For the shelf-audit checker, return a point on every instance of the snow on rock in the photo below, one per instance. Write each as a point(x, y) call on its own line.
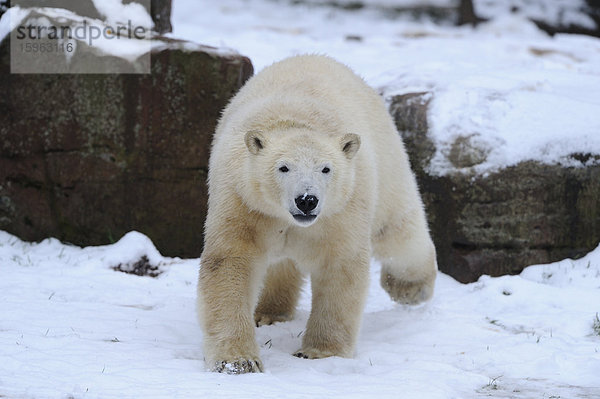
point(131, 247)
point(73, 327)
point(86, 37)
point(555, 12)
point(115, 12)
point(10, 20)
point(519, 93)
point(536, 100)
point(134, 253)
point(386, 3)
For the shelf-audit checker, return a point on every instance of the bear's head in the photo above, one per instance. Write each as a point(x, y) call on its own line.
point(300, 175)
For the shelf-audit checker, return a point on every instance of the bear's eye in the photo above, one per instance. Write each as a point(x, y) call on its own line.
point(326, 170)
point(284, 169)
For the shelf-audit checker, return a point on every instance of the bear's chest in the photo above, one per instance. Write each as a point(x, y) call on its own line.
point(297, 244)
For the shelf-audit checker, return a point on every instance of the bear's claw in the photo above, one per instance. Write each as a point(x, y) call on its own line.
point(238, 367)
point(313, 353)
point(263, 319)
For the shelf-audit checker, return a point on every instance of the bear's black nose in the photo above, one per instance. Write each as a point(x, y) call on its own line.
point(306, 203)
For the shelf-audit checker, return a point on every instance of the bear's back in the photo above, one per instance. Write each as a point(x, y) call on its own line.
point(311, 82)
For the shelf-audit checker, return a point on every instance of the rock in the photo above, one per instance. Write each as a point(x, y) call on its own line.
point(443, 12)
point(501, 222)
point(576, 17)
point(159, 10)
point(141, 267)
point(410, 114)
point(60, 41)
point(466, 13)
point(466, 152)
point(85, 8)
point(161, 15)
point(4, 4)
point(571, 17)
point(88, 157)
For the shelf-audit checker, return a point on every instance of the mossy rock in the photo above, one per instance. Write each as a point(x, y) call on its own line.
point(86, 158)
point(499, 223)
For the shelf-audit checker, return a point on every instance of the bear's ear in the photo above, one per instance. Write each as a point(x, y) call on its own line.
point(254, 141)
point(350, 144)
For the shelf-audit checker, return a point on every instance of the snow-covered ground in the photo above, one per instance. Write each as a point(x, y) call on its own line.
point(514, 91)
point(72, 327)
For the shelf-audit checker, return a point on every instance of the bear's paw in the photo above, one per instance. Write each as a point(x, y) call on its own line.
point(407, 292)
point(266, 319)
point(313, 353)
point(240, 366)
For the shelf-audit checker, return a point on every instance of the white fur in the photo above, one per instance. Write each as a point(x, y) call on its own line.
point(306, 113)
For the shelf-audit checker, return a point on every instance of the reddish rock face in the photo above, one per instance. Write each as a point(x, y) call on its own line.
point(87, 158)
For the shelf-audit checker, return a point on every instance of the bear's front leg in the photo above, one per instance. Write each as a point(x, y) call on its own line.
point(225, 306)
point(339, 291)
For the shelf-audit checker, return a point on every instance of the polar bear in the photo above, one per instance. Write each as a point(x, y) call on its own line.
point(307, 176)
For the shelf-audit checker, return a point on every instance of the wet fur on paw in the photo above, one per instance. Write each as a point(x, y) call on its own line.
point(407, 292)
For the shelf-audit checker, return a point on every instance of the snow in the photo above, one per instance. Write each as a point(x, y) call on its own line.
point(512, 91)
point(555, 12)
point(116, 13)
point(517, 92)
point(71, 326)
point(10, 19)
point(128, 47)
point(384, 4)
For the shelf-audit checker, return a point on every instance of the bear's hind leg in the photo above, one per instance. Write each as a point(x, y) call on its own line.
point(279, 295)
point(408, 262)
